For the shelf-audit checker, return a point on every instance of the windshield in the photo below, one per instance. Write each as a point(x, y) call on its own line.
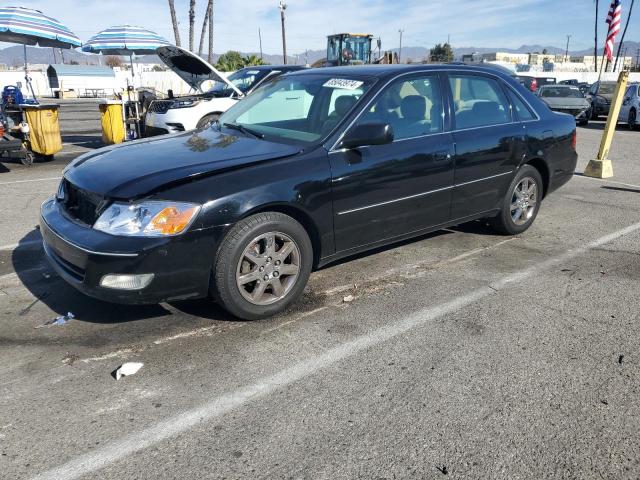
point(244, 80)
point(298, 109)
point(561, 92)
point(606, 88)
point(349, 49)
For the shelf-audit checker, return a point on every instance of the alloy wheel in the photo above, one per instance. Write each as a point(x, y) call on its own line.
point(268, 268)
point(524, 201)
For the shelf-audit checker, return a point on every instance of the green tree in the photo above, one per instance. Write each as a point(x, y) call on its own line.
point(441, 53)
point(251, 60)
point(230, 61)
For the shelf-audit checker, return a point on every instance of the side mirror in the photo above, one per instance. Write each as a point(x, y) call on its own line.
point(368, 134)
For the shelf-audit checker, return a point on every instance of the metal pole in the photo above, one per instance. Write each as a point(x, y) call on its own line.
point(283, 7)
point(624, 33)
point(401, 31)
point(26, 73)
point(601, 167)
point(566, 53)
point(260, 37)
point(595, 45)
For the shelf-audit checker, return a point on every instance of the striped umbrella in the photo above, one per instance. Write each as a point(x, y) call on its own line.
point(32, 27)
point(124, 40)
point(27, 26)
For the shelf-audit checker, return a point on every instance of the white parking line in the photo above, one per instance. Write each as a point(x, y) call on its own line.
point(30, 181)
point(606, 180)
point(217, 407)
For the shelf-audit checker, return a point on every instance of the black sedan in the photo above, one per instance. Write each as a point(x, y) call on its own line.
point(311, 168)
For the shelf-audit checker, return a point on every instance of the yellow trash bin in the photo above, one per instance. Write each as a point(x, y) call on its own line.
point(44, 129)
point(112, 124)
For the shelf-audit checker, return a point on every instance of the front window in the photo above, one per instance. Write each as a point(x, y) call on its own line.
point(413, 107)
point(299, 108)
point(244, 80)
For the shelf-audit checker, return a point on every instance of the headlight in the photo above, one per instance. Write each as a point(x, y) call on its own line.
point(147, 219)
point(184, 103)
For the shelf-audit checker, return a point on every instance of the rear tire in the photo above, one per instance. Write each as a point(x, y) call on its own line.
point(263, 265)
point(521, 204)
point(207, 121)
point(584, 123)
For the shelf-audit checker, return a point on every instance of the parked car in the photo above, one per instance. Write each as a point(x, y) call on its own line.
point(215, 92)
point(630, 106)
point(534, 83)
point(566, 99)
point(600, 96)
point(313, 167)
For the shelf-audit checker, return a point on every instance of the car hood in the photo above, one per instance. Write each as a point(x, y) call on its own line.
point(191, 68)
point(136, 169)
point(566, 102)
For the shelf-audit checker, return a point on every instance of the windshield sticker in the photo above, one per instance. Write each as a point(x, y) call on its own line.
point(343, 83)
point(253, 72)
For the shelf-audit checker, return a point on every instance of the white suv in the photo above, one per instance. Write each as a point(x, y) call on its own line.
point(215, 93)
point(630, 106)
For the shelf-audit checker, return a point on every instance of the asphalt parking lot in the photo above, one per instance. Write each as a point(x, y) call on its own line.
point(463, 354)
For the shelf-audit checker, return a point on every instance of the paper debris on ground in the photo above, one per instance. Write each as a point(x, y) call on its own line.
point(61, 320)
point(126, 369)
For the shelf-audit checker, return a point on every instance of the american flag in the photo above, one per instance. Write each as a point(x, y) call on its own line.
point(614, 19)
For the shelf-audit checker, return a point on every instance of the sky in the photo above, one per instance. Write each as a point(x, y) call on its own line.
point(477, 23)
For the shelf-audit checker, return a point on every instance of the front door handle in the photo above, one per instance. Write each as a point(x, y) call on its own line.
point(442, 157)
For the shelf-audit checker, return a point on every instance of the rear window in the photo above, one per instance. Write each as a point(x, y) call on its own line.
point(523, 112)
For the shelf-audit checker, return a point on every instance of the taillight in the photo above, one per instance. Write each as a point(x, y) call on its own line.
point(534, 85)
point(574, 139)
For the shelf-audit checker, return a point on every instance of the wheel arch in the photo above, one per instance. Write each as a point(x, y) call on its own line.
point(299, 215)
point(543, 169)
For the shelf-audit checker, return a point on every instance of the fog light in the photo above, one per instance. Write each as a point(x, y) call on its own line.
point(127, 282)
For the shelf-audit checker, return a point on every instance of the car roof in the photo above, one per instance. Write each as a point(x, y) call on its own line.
point(275, 67)
point(384, 71)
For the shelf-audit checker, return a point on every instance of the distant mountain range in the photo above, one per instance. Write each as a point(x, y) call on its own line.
point(14, 56)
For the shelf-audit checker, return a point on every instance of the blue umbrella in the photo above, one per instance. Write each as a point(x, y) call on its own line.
point(125, 40)
point(32, 27)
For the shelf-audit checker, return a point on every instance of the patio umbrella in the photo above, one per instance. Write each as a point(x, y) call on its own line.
point(27, 26)
point(125, 40)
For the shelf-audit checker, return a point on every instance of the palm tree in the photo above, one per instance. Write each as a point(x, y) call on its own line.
point(174, 20)
point(210, 57)
point(624, 32)
point(595, 48)
point(251, 60)
point(192, 22)
point(204, 26)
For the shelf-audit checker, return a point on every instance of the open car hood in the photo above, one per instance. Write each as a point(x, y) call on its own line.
point(191, 68)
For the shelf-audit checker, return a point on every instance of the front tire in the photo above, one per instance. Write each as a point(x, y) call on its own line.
point(632, 121)
point(207, 121)
point(263, 265)
point(520, 205)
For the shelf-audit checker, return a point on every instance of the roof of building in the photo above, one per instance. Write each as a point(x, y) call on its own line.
point(80, 71)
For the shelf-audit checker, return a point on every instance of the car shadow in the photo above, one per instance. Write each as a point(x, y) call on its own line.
point(47, 287)
point(388, 247)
